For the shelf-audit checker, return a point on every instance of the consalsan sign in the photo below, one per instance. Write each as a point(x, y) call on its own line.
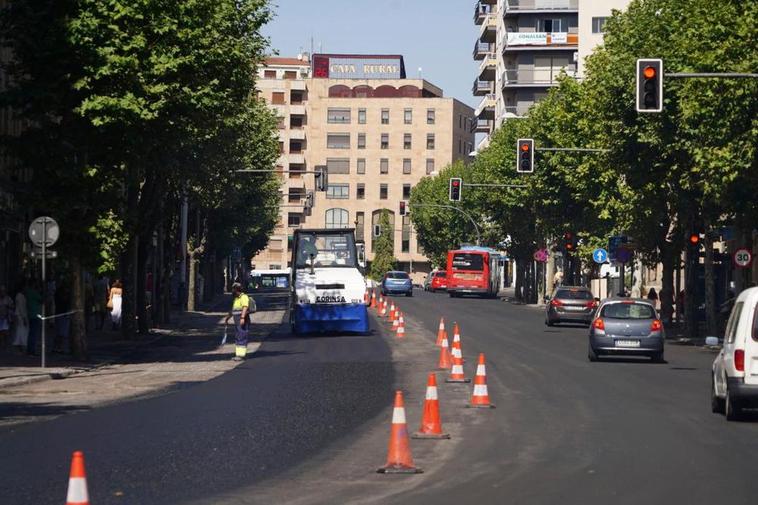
point(358, 67)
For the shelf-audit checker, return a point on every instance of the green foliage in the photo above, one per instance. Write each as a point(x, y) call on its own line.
point(384, 257)
point(109, 233)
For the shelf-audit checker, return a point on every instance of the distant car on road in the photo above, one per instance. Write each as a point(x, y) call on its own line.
point(734, 383)
point(438, 281)
point(570, 304)
point(625, 326)
point(396, 282)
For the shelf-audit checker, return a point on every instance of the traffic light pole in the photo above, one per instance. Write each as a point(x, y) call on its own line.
point(478, 235)
point(572, 149)
point(711, 75)
point(476, 185)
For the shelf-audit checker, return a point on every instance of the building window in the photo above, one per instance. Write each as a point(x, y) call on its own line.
point(338, 165)
point(296, 97)
point(275, 244)
point(361, 166)
point(271, 74)
point(429, 166)
point(361, 116)
point(406, 191)
point(376, 216)
point(460, 120)
point(383, 192)
point(384, 166)
point(406, 166)
point(430, 140)
point(598, 24)
point(361, 141)
point(460, 146)
point(290, 74)
point(408, 116)
point(336, 218)
point(385, 140)
point(296, 146)
point(280, 123)
point(429, 116)
point(360, 221)
point(338, 116)
point(385, 116)
point(296, 122)
point(293, 220)
point(361, 191)
point(338, 140)
point(277, 98)
point(549, 25)
point(407, 138)
point(338, 191)
point(405, 244)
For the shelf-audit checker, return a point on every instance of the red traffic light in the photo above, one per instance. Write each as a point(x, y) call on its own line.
point(649, 72)
point(456, 183)
point(694, 239)
point(525, 147)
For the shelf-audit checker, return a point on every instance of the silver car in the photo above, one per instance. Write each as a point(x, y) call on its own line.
point(570, 304)
point(624, 326)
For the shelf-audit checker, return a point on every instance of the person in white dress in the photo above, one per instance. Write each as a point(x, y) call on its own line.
point(21, 320)
point(114, 303)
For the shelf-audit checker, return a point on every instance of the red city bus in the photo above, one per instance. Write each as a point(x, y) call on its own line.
point(473, 270)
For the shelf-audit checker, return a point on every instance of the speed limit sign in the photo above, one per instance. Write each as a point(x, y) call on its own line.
point(742, 258)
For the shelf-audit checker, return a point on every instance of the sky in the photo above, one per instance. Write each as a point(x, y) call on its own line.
point(436, 35)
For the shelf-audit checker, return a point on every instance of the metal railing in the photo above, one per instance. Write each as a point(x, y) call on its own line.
point(515, 5)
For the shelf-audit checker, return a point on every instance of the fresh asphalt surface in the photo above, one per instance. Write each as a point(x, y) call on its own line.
point(291, 398)
point(565, 431)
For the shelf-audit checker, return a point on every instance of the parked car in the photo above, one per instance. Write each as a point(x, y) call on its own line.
point(570, 304)
point(626, 326)
point(734, 374)
point(397, 283)
point(439, 281)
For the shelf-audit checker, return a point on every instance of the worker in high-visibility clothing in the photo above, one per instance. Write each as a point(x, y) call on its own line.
point(242, 309)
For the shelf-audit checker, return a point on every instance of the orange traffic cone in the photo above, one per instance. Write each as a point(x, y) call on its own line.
point(455, 346)
point(396, 321)
point(481, 397)
point(441, 331)
point(445, 359)
point(400, 332)
point(431, 426)
point(383, 308)
point(393, 314)
point(399, 459)
point(373, 299)
point(77, 481)
point(456, 372)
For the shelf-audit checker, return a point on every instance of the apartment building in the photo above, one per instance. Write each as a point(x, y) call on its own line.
point(282, 82)
point(522, 47)
point(377, 132)
point(592, 17)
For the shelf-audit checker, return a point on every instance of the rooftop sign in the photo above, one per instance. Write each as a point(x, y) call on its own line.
point(337, 66)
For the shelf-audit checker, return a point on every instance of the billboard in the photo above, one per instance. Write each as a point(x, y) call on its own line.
point(336, 66)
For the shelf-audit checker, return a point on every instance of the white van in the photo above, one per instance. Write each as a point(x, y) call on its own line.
point(735, 369)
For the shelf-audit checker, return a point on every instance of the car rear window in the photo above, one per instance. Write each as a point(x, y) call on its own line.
point(628, 311)
point(397, 275)
point(440, 274)
point(573, 294)
point(466, 261)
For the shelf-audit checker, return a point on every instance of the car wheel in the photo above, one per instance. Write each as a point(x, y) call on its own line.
point(591, 354)
point(657, 357)
point(549, 323)
point(409, 293)
point(717, 404)
point(732, 408)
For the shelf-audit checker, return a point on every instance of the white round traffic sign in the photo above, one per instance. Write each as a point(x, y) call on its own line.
point(44, 229)
point(742, 258)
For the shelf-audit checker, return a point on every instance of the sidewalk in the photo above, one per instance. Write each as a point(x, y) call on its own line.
point(185, 353)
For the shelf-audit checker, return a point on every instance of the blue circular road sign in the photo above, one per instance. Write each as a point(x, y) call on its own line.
point(600, 255)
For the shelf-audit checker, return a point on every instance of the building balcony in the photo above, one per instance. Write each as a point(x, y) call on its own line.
point(486, 108)
point(482, 88)
point(532, 78)
point(516, 111)
point(481, 11)
point(488, 30)
point(487, 68)
point(482, 125)
point(541, 41)
point(516, 7)
point(482, 49)
point(297, 134)
point(297, 110)
point(296, 158)
point(297, 85)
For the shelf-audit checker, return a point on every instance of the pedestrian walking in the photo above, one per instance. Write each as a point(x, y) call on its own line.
point(242, 309)
point(62, 322)
point(33, 311)
point(6, 316)
point(558, 279)
point(21, 319)
point(652, 295)
point(114, 303)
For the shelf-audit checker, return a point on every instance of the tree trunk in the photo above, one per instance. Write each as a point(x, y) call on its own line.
point(690, 288)
point(711, 316)
point(141, 307)
point(669, 258)
point(78, 318)
point(192, 282)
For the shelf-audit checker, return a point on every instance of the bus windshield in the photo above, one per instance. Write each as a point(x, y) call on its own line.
point(327, 250)
point(468, 261)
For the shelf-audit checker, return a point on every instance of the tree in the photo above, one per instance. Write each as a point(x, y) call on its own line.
point(384, 255)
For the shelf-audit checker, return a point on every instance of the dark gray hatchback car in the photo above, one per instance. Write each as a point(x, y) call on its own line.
point(625, 326)
point(570, 304)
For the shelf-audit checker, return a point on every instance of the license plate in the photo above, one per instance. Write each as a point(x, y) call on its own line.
point(569, 308)
point(627, 343)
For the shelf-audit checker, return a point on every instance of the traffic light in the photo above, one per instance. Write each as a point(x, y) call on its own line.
point(569, 242)
point(649, 85)
point(322, 178)
point(525, 156)
point(694, 239)
point(456, 183)
point(402, 208)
